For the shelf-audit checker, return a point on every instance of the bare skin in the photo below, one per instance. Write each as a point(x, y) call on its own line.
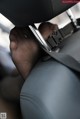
point(25, 52)
point(47, 28)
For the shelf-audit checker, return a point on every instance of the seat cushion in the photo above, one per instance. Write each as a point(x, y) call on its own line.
point(52, 91)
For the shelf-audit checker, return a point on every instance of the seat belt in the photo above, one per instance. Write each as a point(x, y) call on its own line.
point(62, 58)
point(66, 60)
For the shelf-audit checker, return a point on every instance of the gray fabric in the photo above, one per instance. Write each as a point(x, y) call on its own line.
point(67, 58)
point(52, 91)
point(72, 46)
point(24, 12)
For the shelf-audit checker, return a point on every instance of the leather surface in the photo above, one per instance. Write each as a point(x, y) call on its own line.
point(52, 91)
point(24, 12)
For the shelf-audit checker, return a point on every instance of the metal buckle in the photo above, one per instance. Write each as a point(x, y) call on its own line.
point(55, 39)
point(52, 42)
point(39, 37)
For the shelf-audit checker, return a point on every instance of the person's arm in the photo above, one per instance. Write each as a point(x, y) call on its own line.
point(10, 88)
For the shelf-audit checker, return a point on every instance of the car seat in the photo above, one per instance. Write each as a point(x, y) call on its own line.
point(52, 90)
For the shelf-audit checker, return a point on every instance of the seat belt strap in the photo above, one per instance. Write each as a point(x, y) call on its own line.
point(54, 40)
point(62, 58)
point(66, 60)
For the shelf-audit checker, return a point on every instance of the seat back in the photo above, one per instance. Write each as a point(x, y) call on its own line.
point(24, 12)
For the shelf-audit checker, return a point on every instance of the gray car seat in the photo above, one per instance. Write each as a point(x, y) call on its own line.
point(52, 91)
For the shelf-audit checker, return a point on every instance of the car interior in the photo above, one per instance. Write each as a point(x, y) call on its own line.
point(52, 90)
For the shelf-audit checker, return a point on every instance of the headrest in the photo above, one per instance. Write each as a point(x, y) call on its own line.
point(24, 12)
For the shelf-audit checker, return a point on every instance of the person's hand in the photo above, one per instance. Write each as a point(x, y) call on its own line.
point(47, 28)
point(24, 49)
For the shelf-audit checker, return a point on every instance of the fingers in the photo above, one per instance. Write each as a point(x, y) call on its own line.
point(47, 29)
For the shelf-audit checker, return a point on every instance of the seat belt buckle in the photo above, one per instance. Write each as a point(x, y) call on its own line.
point(55, 39)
